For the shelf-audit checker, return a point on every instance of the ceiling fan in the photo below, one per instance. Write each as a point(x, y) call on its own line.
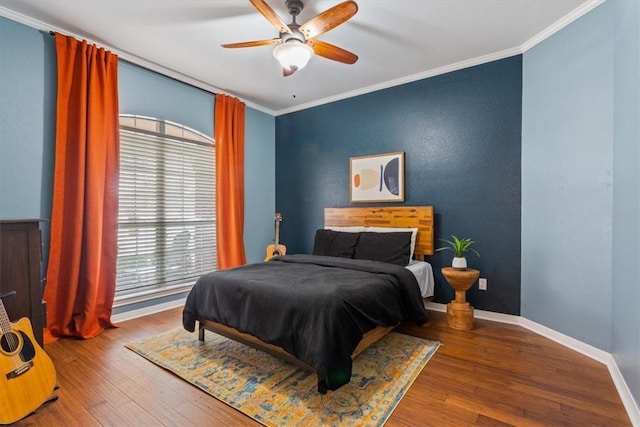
point(296, 43)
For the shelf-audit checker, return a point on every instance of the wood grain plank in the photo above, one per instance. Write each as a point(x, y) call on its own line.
point(494, 375)
point(420, 217)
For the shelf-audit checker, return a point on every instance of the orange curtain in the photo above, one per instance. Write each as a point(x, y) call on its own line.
point(84, 229)
point(229, 138)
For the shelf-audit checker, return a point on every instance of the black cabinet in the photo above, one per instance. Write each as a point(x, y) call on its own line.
point(20, 256)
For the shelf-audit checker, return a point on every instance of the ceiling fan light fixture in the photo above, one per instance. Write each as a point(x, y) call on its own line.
point(293, 55)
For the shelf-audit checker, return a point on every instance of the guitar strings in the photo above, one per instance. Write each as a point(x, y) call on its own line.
point(9, 337)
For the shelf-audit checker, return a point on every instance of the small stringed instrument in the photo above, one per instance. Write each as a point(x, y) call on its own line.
point(27, 374)
point(276, 249)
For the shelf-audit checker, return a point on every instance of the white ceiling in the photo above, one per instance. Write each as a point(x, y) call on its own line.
point(396, 41)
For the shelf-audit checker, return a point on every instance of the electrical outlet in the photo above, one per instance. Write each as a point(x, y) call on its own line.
point(482, 284)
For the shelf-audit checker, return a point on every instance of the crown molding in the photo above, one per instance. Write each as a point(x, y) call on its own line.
point(558, 25)
point(406, 79)
point(129, 57)
point(543, 35)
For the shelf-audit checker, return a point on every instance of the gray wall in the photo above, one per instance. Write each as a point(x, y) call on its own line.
point(27, 123)
point(260, 184)
point(567, 141)
point(27, 91)
point(625, 338)
point(580, 186)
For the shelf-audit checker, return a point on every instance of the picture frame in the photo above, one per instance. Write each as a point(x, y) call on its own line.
point(377, 178)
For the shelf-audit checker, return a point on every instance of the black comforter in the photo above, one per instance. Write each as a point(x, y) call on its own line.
point(317, 308)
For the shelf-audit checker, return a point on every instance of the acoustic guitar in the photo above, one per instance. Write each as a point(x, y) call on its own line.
point(27, 375)
point(276, 249)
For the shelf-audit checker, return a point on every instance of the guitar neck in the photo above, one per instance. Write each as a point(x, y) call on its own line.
point(277, 236)
point(5, 323)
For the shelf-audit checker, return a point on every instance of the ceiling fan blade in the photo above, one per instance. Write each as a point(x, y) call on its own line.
point(335, 53)
point(329, 19)
point(252, 43)
point(271, 16)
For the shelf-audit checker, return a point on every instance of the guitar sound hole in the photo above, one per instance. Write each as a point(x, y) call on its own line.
point(10, 342)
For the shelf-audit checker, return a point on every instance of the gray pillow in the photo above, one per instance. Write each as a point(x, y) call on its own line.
point(393, 248)
point(335, 243)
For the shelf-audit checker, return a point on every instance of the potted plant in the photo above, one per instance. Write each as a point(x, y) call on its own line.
point(460, 247)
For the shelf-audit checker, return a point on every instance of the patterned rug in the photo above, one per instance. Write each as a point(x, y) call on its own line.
point(277, 393)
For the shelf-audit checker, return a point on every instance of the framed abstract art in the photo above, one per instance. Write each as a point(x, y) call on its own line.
point(377, 178)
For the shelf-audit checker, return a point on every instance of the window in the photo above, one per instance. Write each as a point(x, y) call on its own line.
point(166, 221)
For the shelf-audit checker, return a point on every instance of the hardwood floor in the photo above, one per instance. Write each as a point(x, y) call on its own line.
point(496, 374)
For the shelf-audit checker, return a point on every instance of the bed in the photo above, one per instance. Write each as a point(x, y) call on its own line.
point(319, 311)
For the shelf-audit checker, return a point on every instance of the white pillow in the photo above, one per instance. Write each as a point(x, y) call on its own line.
point(414, 234)
point(355, 229)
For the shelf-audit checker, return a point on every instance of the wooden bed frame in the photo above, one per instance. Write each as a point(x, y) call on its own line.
point(420, 217)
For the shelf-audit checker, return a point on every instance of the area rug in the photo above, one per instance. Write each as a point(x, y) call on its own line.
point(277, 393)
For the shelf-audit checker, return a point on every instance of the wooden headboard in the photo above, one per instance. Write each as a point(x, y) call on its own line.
point(420, 217)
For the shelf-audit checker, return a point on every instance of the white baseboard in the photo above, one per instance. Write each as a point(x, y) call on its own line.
point(572, 343)
point(594, 353)
point(625, 394)
point(145, 311)
point(479, 314)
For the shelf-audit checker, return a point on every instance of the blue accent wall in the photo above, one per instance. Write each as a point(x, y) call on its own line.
point(461, 136)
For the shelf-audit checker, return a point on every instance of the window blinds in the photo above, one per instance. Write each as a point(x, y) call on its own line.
point(166, 220)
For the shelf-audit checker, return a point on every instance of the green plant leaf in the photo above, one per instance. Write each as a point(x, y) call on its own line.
point(459, 246)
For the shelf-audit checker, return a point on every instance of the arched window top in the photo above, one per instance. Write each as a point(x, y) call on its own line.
point(166, 215)
point(164, 128)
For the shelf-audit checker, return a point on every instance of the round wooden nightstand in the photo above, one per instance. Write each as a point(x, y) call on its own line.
point(459, 311)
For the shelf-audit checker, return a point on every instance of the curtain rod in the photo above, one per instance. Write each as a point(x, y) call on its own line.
point(132, 59)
